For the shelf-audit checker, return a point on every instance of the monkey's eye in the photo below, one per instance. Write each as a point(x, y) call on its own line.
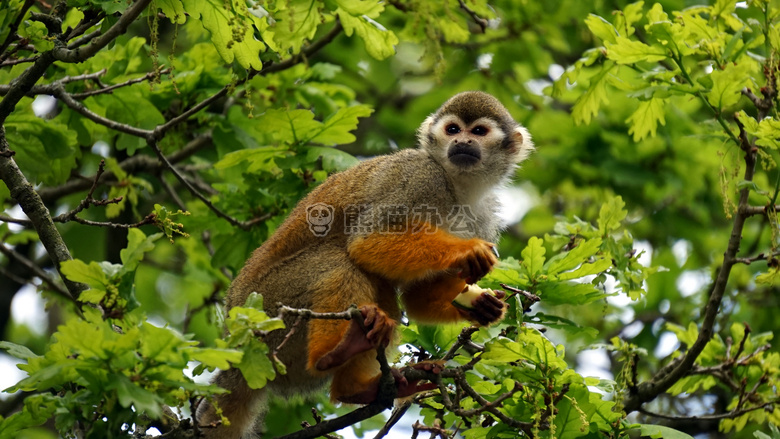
point(452, 129)
point(479, 131)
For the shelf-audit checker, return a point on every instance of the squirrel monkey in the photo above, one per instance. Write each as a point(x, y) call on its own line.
point(418, 224)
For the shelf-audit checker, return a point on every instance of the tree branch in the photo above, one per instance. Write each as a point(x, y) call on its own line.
point(32, 205)
point(671, 373)
point(77, 55)
point(769, 406)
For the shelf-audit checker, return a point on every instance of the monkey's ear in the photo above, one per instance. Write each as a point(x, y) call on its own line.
point(424, 132)
point(523, 143)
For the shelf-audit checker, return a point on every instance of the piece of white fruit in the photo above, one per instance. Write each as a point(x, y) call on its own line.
point(466, 297)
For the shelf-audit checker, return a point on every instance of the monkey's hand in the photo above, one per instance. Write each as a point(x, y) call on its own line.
point(376, 329)
point(486, 308)
point(477, 262)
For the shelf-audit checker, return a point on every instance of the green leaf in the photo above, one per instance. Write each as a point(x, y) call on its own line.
point(162, 344)
point(333, 160)
point(558, 322)
point(231, 30)
point(38, 35)
point(562, 293)
point(659, 431)
point(602, 28)
point(611, 215)
point(256, 366)
point(752, 186)
point(130, 394)
point(45, 149)
point(688, 336)
point(296, 22)
point(258, 159)
point(644, 121)
point(453, 31)
point(599, 266)
point(132, 107)
point(631, 14)
point(217, 358)
point(626, 51)
point(92, 274)
point(336, 129)
point(137, 245)
point(17, 351)
point(533, 256)
point(772, 277)
point(380, 42)
point(728, 83)
point(173, 9)
point(574, 257)
point(587, 105)
point(533, 347)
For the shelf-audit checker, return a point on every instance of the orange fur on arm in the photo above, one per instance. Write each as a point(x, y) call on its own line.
point(430, 300)
point(409, 256)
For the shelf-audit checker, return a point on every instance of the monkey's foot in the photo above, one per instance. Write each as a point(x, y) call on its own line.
point(478, 262)
point(409, 388)
point(379, 329)
point(486, 308)
point(405, 387)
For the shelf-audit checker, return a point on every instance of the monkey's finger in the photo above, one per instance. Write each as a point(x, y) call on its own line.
point(500, 294)
point(477, 269)
point(369, 315)
point(481, 319)
point(493, 300)
point(486, 266)
point(489, 314)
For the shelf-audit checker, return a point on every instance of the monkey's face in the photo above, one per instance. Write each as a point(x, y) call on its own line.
point(472, 134)
point(475, 147)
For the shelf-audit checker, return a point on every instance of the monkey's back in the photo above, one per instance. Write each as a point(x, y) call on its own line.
point(400, 179)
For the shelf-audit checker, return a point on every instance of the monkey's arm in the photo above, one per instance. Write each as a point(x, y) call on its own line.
point(413, 255)
point(430, 301)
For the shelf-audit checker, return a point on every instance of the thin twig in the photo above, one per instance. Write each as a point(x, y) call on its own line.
point(82, 27)
point(38, 271)
point(81, 54)
point(111, 88)
point(463, 338)
point(148, 219)
point(483, 23)
point(769, 406)
point(396, 416)
point(245, 225)
point(759, 210)
point(435, 431)
point(525, 426)
point(13, 62)
point(13, 28)
point(67, 99)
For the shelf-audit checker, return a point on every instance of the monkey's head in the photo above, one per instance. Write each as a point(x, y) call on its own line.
point(473, 134)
